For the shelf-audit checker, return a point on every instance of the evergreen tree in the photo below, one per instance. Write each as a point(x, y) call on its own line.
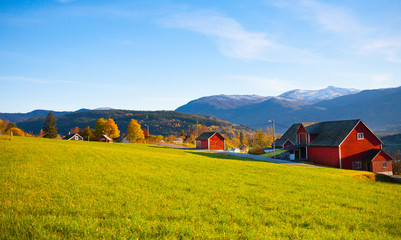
point(50, 127)
point(134, 132)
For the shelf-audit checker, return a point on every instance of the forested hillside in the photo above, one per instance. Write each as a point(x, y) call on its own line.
point(160, 122)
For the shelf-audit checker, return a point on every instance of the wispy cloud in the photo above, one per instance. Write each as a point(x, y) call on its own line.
point(360, 37)
point(329, 17)
point(233, 40)
point(389, 47)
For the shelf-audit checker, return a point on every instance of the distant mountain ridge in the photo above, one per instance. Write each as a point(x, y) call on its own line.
point(379, 108)
point(314, 96)
point(19, 117)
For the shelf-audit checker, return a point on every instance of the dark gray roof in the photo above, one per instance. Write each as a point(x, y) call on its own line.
point(330, 133)
point(373, 153)
point(206, 136)
point(290, 134)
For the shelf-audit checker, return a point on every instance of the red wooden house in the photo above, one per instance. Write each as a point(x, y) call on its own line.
point(347, 144)
point(210, 141)
point(105, 138)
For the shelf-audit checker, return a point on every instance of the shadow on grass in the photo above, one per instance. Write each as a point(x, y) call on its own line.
point(224, 156)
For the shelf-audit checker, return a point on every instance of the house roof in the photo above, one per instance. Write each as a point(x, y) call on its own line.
point(373, 153)
point(123, 136)
point(331, 133)
point(291, 133)
point(206, 136)
point(107, 137)
point(69, 136)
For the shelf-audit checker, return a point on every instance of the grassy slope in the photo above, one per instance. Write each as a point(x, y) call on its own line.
point(54, 188)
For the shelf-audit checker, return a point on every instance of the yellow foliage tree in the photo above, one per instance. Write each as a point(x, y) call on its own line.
point(16, 131)
point(1, 125)
point(111, 128)
point(134, 132)
point(99, 127)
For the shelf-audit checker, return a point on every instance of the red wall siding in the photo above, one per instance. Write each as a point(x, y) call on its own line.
point(302, 130)
point(288, 144)
point(204, 144)
point(216, 142)
point(324, 155)
point(377, 163)
point(355, 150)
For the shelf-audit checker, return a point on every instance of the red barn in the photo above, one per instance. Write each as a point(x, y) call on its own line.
point(211, 141)
point(347, 144)
point(105, 138)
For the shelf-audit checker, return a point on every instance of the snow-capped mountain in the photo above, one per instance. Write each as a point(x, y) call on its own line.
point(314, 96)
point(229, 101)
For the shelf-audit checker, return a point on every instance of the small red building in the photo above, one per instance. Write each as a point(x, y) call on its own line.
point(105, 138)
point(210, 141)
point(347, 144)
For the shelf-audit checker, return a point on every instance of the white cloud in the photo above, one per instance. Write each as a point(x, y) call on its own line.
point(361, 38)
point(235, 41)
point(329, 17)
point(382, 80)
point(389, 47)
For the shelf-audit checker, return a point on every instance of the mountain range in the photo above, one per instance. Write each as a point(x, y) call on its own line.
point(379, 108)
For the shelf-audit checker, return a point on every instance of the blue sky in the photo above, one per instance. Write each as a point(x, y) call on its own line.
point(158, 55)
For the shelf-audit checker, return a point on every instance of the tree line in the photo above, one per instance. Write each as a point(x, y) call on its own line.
point(103, 126)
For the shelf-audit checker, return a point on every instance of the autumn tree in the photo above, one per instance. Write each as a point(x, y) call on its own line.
point(243, 140)
point(16, 131)
point(88, 133)
point(111, 128)
point(50, 127)
point(100, 127)
point(182, 134)
point(75, 130)
point(134, 132)
point(2, 124)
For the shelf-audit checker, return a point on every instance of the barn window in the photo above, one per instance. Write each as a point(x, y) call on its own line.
point(76, 137)
point(359, 136)
point(384, 165)
point(358, 165)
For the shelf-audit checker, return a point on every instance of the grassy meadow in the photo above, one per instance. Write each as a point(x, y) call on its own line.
point(52, 189)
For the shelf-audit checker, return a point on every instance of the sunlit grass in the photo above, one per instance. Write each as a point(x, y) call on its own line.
point(61, 189)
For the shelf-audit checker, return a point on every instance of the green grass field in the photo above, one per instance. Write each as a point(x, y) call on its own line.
point(51, 189)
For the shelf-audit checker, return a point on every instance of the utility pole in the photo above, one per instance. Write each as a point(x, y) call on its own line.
point(197, 131)
point(147, 127)
point(274, 134)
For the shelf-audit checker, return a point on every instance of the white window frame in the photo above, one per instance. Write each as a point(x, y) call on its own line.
point(360, 136)
point(384, 165)
point(358, 165)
